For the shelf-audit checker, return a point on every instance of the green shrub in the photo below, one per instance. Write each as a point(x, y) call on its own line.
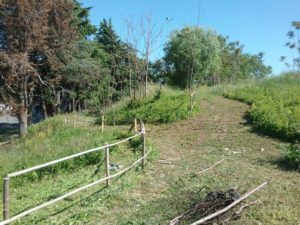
point(292, 156)
point(163, 107)
point(275, 105)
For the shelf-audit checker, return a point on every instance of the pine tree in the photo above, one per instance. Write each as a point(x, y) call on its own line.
point(82, 20)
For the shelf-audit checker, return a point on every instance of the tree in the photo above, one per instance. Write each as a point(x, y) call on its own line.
point(252, 66)
point(35, 33)
point(237, 65)
point(86, 71)
point(118, 58)
point(294, 45)
point(157, 71)
point(82, 21)
point(192, 54)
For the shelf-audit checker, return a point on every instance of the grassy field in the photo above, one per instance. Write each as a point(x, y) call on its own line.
point(53, 139)
point(163, 190)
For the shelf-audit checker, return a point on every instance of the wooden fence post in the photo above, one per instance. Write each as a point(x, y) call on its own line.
point(6, 198)
point(102, 123)
point(143, 135)
point(84, 119)
point(135, 125)
point(73, 120)
point(107, 165)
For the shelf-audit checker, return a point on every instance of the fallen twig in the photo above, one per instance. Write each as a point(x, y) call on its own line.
point(4, 143)
point(176, 220)
point(166, 161)
point(245, 206)
point(237, 213)
point(210, 167)
point(169, 159)
point(203, 220)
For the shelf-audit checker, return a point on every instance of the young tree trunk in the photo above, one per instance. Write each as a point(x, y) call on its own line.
point(22, 113)
point(31, 108)
point(44, 108)
point(79, 105)
point(130, 84)
point(23, 121)
point(146, 74)
point(58, 102)
point(73, 104)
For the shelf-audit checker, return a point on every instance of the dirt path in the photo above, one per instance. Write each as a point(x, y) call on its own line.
point(189, 146)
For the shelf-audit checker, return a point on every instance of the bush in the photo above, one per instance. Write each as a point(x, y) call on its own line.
point(275, 105)
point(163, 107)
point(292, 156)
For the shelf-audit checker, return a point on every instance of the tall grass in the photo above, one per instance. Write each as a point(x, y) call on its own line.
point(167, 105)
point(50, 140)
point(275, 107)
point(275, 104)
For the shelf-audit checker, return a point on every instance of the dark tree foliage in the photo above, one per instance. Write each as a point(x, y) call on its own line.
point(82, 21)
point(108, 37)
point(35, 31)
point(118, 59)
point(158, 71)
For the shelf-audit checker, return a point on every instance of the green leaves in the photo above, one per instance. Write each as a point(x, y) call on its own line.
point(275, 105)
point(161, 108)
point(197, 54)
point(194, 53)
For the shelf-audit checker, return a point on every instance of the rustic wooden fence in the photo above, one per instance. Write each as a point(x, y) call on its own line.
point(107, 178)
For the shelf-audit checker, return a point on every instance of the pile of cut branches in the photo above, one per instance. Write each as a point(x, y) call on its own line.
point(216, 207)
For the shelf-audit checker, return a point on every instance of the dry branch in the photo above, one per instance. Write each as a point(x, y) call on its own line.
point(167, 161)
point(237, 213)
point(217, 163)
point(207, 218)
point(245, 206)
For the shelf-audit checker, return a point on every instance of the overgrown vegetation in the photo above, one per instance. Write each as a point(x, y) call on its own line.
point(292, 156)
point(163, 107)
point(53, 139)
point(275, 107)
point(50, 140)
point(196, 54)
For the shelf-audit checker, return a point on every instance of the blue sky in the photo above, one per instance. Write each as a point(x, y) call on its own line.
point(261, 25)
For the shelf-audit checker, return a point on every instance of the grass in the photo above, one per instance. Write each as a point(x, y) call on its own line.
point(275, 104)
point(50, 140)
point(163, 191)
point(53, 139)
point(275, 109)
point(168, 105)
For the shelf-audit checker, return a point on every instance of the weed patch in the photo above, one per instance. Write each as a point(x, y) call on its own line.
point(163, 107)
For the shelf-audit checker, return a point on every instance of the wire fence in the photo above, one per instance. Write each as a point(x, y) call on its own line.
point(107, 178)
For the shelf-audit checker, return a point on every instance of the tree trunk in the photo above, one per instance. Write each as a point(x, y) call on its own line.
point(30, 112)
point(146, 75)
point(23, 121)
point(44, 108)
point(73, 104)
point(22, 113)
point(58, 102)
point(130, 84)
point(134, 88)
